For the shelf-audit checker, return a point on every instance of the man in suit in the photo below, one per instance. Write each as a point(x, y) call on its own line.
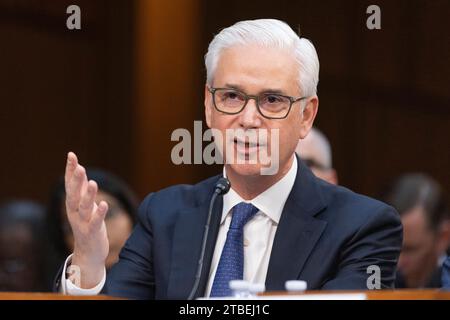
point(422, 205)
point(268, 228)
point(446, 274)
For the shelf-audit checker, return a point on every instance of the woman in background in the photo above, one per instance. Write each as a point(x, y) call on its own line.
point(119, 220)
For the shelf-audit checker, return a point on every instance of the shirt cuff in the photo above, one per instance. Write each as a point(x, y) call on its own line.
point(68, 287)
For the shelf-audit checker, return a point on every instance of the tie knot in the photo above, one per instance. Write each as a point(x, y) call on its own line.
point(242, 213)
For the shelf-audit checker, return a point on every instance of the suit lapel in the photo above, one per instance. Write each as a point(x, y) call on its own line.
point(297, 232)
point(186, 248)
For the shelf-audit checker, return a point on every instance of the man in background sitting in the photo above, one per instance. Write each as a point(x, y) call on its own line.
point(446, 274)
point(315, 151)
point(426, 230)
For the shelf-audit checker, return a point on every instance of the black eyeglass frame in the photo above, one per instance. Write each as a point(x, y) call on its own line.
point(256, 98)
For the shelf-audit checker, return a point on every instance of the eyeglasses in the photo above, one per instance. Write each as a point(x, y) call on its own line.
point(269, 105)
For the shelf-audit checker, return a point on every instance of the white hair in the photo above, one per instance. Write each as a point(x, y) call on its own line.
point(270, 33)
point(319, 142)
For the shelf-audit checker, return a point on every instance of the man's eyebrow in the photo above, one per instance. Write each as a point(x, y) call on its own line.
point(267, 90)
point(233, 86)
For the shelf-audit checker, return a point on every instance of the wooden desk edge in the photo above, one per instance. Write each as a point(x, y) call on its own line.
point(401, 294)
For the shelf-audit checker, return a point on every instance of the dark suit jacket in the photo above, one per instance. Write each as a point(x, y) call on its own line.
point(446, 274)
point(327, 236)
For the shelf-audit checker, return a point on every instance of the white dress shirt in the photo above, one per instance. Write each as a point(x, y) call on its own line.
point(68, 287)
point(259, 234)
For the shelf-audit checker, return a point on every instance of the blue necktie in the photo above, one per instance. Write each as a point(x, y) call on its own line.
point(231, 263)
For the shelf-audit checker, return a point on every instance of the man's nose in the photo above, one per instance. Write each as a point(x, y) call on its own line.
point(250, 116)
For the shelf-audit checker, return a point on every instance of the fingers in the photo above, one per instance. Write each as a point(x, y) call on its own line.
point(99, 215)
point(87, 202)
point(80, 194)
point(74, 189)
point(71, 165)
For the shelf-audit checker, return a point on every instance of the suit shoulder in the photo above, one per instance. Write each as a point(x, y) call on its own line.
point(181, 196)
point(348, 202)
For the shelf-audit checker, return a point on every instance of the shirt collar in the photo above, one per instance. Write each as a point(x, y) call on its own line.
point(270, 202)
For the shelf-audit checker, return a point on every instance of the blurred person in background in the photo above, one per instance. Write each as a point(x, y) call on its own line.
point(425, 217)
point(446, 274)
point(23, 247)
point(119, 221)
point(315, 151)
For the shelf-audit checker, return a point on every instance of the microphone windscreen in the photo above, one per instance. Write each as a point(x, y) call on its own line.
point(223, 186)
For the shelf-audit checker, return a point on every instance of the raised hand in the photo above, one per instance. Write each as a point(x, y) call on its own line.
point(87, 220)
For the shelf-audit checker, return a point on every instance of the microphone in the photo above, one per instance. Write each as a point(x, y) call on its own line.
point(222, 187)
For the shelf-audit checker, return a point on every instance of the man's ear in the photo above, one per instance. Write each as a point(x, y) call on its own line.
point(208, 107)
point(308, 115)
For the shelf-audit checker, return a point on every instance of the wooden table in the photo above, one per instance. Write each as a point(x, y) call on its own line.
point(49, 296)
point(370, 295)
point(426, 294)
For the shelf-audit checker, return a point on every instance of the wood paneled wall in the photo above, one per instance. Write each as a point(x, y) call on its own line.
point(114, 91)
point(384, 98)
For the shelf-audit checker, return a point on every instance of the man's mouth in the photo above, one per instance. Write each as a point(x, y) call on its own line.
point(246, 146)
